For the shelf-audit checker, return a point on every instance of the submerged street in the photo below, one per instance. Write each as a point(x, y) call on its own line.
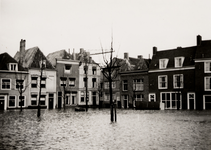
point(134, 129)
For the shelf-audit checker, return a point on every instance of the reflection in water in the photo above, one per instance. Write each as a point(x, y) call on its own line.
point(135, 129)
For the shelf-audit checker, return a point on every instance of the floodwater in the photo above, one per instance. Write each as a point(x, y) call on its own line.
point(134, 129)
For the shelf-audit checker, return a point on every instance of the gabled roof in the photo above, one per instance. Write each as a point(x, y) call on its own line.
point(188, 53)
point(32, 58)
point(62, 54)
point(5, 59)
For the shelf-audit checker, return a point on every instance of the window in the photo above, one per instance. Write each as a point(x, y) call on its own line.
point(139, 97)
point(13, 67)
point(43, 64)
point(71, 81)
point(34, 82)
point(94, 83)
point(171, 100)
point(42, 99)
point(207, 83)
point(162, 82)
point(85, 82)
point(163, 63)
point(19, 84)
point(178, 61)
point(43, 82)
point(178, 81)
point(94, 70)
point(152, 97)
point(85, 69)
point(138, 84)
point(82, 96)
point(107, 97)
point(21, 101)
point(68, 69)
point(125, 88)
point(11, 101)
point(33, 99)
point(107, 85)
point(207, 67)
point(63, 81)
point(5, 84)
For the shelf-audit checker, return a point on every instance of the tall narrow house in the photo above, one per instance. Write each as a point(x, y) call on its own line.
point(41, 75)
point(11, 75)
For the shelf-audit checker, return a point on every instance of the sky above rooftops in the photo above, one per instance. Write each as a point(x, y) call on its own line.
point(136, 25)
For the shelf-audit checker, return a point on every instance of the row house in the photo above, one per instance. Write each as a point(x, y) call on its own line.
point(13, 78)
point(130, 87)
point(134, 87)
point(180, 78)
point(74, 72)
point(41, 74)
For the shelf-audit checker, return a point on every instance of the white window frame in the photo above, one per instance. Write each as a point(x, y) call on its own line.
point(205, 83)
point(9, 101)
point(34, 82)
point(181, 81)
point(207, 67)
point(188, 101)
point(2, 84)
point(11, 66)
point(43, 99)
point(204, 104)
point(152, 94)
point(23, 85)
point(82, 96)
point(23, 100)
point(138, 86)
point(139, 99)
point(34, 100)
point(176, 61)
point(163, 63)
point(68, 71)
point(159, 82)
point(72, 82)
point(170, 100)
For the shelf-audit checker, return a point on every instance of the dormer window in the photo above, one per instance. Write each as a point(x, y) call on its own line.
point(207, 67)
point(13, 67)
point(163, 63)
point(179, 61)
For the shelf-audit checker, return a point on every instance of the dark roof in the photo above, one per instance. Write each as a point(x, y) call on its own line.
point(32, 58)
point(5, 58)
point(204, 50)
point(62, 54)
point(188, 53)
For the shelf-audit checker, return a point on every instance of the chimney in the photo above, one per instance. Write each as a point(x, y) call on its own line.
point(140, 56)
point(154, 50)
point(22, 46)
point(74, 57)
point(81, 50)
point(126, 56)
point(198, 40)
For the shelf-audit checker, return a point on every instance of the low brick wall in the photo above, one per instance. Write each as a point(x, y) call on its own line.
point(147, 105)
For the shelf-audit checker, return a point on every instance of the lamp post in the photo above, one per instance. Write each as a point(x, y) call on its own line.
point(86, 85)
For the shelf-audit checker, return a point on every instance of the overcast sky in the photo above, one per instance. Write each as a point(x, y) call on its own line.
point(136, 25)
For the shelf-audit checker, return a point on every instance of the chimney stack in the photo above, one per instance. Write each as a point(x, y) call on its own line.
point(140, 56)
point(74, 57)
point(154, 50)
point(198, 40)
point(22, 46)
point(126, 56)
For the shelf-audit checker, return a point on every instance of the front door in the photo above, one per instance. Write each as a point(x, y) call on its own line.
point(1, 102)
point(207, 102)
point(50, 101)
point(73, 100)
point(125, 103)
point(59, 102)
